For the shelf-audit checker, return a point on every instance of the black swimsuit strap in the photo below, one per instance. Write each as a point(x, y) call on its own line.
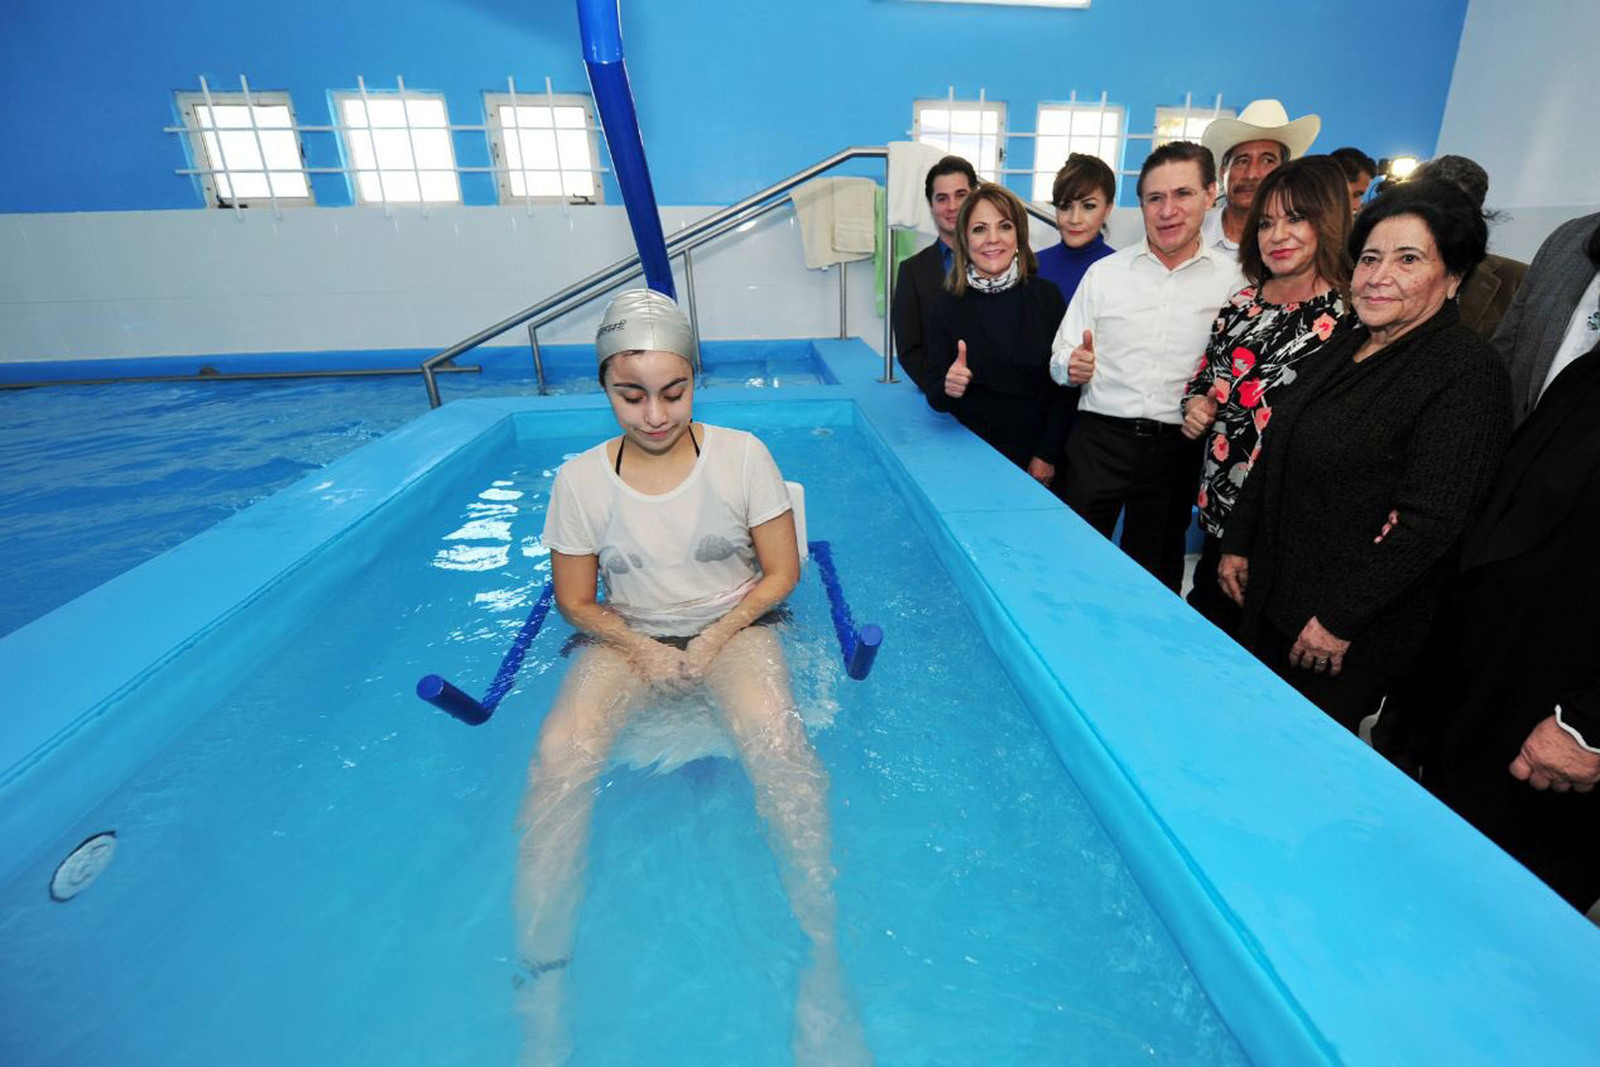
point(622, 443)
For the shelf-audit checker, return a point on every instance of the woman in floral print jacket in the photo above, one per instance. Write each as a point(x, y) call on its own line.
point(1294, 255)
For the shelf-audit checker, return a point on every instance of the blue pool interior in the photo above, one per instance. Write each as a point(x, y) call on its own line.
point(1326, 907)
point(984, 912)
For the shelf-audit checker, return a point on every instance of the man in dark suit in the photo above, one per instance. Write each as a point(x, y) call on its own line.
point(916, 290)
point(1532, 331)
point(1508, 706)
point(1489, 292)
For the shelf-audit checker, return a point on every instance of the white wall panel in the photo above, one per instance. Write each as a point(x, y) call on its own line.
point(92, 285)
point(1523, 103)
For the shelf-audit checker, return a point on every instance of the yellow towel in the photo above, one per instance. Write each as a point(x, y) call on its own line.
point(836, 220)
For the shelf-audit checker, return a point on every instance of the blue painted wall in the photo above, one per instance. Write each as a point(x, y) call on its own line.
point(732, 95)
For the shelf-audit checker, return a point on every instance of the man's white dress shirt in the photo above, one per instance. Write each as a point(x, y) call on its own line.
point(1583, 332)
point(1150, 326)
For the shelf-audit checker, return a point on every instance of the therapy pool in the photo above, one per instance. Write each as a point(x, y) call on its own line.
point(361, 842)
point(1050, 849)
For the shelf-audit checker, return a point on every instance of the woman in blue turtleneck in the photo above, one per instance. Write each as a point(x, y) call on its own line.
point(1083, 193)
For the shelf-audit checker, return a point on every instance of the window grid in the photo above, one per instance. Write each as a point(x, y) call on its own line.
point(248, 147)
point(1186, 123)
point(1095, 129)
point(974, 130)
point(399, 147)
point(544, 146)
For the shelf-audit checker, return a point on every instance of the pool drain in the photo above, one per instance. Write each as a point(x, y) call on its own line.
point(85, 863)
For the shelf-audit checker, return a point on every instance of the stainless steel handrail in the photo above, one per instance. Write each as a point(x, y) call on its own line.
point(709, 228)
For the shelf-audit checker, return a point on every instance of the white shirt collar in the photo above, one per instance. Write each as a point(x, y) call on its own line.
point(1212, 233)
point(1205, 251)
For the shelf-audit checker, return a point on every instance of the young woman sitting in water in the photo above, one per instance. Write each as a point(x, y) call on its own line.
point(690, 528)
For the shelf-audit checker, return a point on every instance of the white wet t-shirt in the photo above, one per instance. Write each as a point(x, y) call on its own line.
point(673, 563)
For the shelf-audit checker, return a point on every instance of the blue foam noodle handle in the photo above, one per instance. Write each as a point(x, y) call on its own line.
point(865, 652)
point(858, 646)
point(446, 697)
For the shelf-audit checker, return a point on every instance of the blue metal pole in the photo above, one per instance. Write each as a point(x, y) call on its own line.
point(600, 27)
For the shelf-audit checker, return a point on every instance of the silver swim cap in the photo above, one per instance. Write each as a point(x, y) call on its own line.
point(643, 320)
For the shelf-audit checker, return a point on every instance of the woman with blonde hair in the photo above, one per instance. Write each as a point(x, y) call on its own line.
point(989, 351)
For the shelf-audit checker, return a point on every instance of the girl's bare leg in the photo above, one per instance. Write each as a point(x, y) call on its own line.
point(750, 681)
point(575, 741)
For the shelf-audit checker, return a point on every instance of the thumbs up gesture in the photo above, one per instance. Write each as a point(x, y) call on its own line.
point(958, 377)
point(1080, 367)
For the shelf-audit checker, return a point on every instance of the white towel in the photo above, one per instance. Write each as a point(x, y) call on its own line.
point(836, 219)
point(909, 163)
point(855, 216)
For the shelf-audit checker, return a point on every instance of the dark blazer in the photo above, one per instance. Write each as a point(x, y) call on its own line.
point(916, 293)
point(1517, 635)
point(1531, 332)
point(1489, 292)
point(1012, 403)
point(1418, 427)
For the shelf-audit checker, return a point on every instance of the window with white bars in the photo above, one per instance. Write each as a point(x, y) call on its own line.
point(1067, 128)
point(544, 147)
point(248, 149)
point(1186, 124)
point(399, 147)
point(974, 130)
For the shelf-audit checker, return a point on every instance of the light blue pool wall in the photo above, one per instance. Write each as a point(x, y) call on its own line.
point(731, 96)
point(1331, 909)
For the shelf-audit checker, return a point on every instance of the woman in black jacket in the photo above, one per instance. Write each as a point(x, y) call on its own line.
point(989, 350)
point(1407, 417)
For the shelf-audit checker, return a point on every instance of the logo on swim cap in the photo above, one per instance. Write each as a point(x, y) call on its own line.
point(643, 320)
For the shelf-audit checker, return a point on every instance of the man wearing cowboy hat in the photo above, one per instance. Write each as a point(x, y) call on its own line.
point(1247, 149)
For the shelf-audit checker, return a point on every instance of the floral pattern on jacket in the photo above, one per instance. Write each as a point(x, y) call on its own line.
point(1254, 351)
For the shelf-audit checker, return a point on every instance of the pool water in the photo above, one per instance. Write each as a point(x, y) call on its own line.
point(318, 869)
point(95, 479)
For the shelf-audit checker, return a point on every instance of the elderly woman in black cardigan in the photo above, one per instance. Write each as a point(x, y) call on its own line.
point(989, 346)
point(1407, 416)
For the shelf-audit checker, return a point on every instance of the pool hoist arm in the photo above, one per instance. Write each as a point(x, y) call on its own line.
point(858, 645)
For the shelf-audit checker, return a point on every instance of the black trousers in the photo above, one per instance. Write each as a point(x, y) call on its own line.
point(1146, 471)
point(1207, 596)
point(1551, 834)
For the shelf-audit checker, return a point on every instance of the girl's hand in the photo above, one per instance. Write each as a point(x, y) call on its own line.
point(660, 665)
point(703, 648)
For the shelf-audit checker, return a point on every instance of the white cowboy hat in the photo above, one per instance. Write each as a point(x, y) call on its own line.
point(1262, 120)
